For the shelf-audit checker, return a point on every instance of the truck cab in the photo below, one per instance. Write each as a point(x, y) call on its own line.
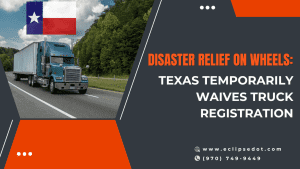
point(56, 68)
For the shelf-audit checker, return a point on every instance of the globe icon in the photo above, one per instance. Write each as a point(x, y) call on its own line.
point(197, 149)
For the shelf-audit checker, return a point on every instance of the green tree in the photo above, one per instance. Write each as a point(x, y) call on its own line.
point(146, 15)
point(7, 62)
point(110, 45)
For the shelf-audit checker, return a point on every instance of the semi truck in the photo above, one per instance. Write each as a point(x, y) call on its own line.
point(50, 65)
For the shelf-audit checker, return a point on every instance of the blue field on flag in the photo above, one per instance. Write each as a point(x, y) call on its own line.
point(34, 17)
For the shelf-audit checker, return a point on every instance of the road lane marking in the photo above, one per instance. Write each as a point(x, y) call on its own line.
point(106, 90)
point(91, 95)
point(6, 137)
point(55, 108)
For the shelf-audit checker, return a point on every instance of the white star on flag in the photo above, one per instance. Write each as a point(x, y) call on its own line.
point(34, 18)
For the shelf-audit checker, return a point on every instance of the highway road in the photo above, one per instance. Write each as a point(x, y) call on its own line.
point(38, 102)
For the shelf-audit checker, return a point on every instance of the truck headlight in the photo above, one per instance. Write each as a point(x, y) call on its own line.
point(84, 78)
point(58, 78)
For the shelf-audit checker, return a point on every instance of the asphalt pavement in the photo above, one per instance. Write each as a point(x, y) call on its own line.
point(38, 102)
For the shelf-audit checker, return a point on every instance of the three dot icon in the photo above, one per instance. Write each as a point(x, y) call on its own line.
point(208, 7)
point(24, 154)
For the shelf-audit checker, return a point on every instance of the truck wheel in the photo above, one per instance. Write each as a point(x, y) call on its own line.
point(32, 81)
point(29, 80)
point(17, 78)
point(52, 87)
point(82, 91)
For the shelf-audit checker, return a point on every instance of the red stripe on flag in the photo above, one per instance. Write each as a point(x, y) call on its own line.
point(59, 26)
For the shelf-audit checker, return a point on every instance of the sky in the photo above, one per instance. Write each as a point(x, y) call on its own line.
point(13, 22)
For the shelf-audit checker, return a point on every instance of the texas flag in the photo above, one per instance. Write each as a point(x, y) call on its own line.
point(51, 18)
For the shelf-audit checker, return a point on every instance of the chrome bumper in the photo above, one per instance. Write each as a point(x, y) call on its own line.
point(71, 86)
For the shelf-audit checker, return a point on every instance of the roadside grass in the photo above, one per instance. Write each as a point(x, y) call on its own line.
point(108, 76)
point(109, 84)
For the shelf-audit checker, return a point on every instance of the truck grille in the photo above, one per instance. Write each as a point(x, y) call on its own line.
point(73, 75)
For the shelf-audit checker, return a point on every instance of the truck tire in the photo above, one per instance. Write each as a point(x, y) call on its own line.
point(82, 91)
point(32, 81)
point(52, 87)
point(29, 80)
point(17, 78)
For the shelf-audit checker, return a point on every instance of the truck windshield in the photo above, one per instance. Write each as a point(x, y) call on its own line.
point(56, 59)
point(61, 60)
point(68, 60)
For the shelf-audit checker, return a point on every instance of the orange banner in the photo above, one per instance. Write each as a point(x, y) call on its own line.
point(67, 144)
point(266, 8)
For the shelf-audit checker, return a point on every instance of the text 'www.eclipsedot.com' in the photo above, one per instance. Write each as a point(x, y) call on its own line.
point(232, 149)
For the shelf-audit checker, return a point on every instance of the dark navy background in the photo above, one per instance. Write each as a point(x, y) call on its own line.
point(161, 125)
point(34, 27)
point(9, 118)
